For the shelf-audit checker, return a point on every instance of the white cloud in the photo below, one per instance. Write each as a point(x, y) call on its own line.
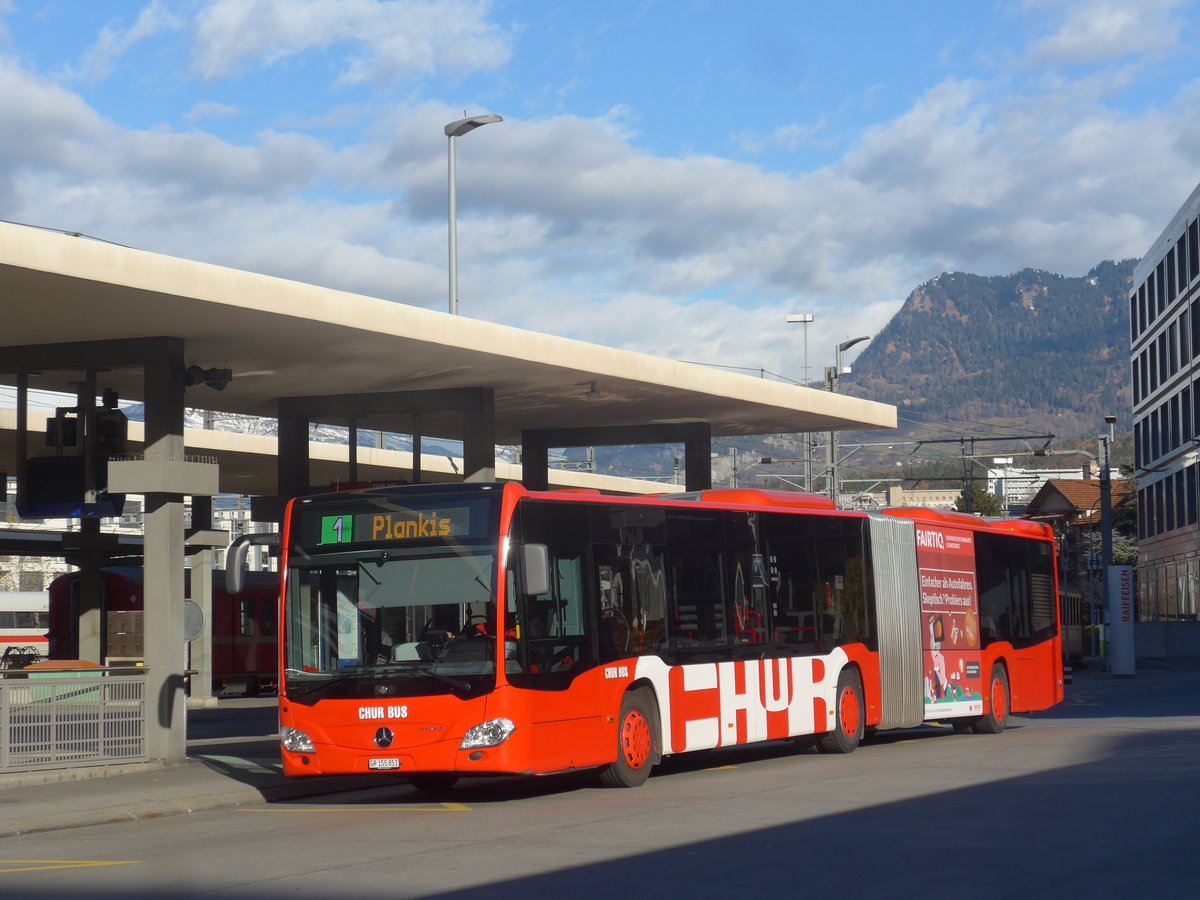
point(210, 109)
point(387, 40)
point(791, 136)
point(115, 39)
point(1090, 32)
point(45, 125)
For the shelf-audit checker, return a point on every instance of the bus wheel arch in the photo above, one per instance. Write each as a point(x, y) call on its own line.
point(850, 708)
point(639, 742)
point(999, 701)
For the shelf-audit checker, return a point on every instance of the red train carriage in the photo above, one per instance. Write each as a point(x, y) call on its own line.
point(245, 639)
point(24, 619)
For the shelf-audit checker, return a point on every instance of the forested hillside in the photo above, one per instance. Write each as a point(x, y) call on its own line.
point(1034, 349)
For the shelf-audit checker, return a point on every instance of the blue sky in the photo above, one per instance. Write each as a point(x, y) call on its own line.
point(670, 177)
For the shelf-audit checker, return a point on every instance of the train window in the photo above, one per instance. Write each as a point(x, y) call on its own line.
point(266, 617)
point(247, 616)
point(24, 619)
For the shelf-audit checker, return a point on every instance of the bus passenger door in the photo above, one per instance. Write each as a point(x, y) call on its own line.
point(552, 656)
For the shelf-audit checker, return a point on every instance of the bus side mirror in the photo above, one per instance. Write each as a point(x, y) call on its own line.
point(535, 565)
point(235, 558)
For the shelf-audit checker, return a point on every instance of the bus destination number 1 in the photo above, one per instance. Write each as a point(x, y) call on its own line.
point(337, 529)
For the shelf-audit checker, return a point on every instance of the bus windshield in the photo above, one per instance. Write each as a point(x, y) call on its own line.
point(405, 621)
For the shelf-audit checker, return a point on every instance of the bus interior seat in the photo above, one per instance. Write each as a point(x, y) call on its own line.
point(413, 650)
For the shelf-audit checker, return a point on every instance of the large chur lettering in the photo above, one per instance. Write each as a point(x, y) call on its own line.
point(722, 704)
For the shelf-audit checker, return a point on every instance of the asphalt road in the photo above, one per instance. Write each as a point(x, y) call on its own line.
point(1095, 799)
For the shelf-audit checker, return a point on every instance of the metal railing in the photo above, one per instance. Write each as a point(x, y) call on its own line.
point(71, 717)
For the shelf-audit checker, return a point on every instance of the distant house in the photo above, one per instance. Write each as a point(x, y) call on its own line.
point(1071, 502)
point(1072, 508)
point(1016, 487)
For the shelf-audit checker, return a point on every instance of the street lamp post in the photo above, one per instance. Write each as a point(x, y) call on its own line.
point(454, 130)
point(1117, 609)
point(832, 374)
point(805, 319)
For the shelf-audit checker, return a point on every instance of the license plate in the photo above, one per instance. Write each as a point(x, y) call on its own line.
point(384, 763)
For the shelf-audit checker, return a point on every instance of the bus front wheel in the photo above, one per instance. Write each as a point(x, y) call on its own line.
point(994, 720)
point(850, 714)
point(636, 742)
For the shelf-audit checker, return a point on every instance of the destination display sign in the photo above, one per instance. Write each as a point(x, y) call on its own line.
point(397, 525)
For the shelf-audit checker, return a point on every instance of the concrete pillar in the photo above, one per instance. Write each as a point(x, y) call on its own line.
point(166, 719)
point(697, 455)
point(479, 439)
point(85, 553)
point(201, 594)
point(535, 460)
point(293, 455)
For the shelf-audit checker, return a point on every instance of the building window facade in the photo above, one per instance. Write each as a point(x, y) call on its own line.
point(1164, 330)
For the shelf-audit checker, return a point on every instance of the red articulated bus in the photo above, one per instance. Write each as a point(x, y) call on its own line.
point(439, 631)
point(245, 640)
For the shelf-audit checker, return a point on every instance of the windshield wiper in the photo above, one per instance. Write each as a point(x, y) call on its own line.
point(322, 680)
point(374, 671)
point(456, 683)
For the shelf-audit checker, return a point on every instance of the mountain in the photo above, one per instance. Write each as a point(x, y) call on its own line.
point(1039, 351)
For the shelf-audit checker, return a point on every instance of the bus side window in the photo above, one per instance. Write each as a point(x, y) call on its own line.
point(821, 588)
point(1016, 590)
point(699, 624)
point(633, 597)
point(627, 574)
point(797, 599)
point(551, 635)
point(749, 615)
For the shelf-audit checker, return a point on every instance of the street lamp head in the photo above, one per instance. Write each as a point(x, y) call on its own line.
point(461, 126)
point(846, 345)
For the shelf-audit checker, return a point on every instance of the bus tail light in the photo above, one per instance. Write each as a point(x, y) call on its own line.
point(296, 741)
point(488, 734)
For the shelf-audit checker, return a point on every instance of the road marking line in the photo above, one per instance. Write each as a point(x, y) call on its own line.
point(41, 865)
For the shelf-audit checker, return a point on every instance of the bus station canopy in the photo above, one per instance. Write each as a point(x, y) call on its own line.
point(283, 339)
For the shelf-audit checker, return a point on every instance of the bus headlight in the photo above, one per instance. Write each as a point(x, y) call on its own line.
point(296, 741)
point(488, 734)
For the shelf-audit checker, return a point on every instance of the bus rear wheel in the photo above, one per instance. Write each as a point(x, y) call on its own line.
point(851, 715)
point(994, 720)
point(636, 743)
